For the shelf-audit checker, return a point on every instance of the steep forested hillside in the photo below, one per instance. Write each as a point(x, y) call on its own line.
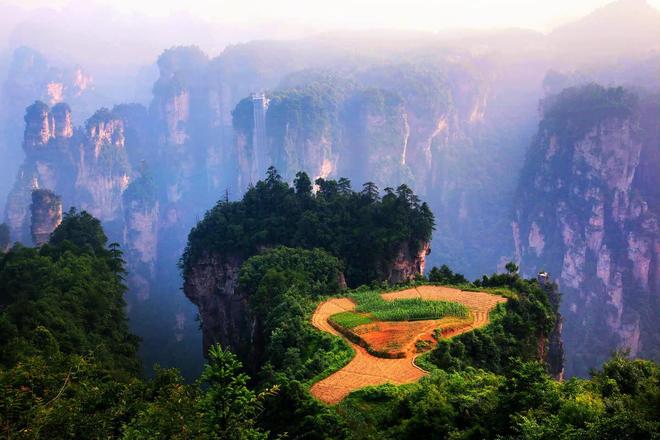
point(366, 231)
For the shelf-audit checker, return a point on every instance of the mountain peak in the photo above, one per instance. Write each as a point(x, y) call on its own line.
point(621, 27)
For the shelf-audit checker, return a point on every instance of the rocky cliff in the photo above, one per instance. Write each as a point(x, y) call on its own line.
point(552, 347)
point(225, 317)
point(103, 168)
point(46, 215)
point(438, 127)
point(31, 76)
point(588, 209)
point(141, 233)
point(408, 265)
point(48, 163)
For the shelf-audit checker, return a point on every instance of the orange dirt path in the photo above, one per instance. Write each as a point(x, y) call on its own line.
point(367, 370)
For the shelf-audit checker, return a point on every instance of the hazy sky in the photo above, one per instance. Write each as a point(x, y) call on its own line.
point(360, 14)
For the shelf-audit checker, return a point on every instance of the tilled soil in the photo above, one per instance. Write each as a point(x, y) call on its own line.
point(367, 370)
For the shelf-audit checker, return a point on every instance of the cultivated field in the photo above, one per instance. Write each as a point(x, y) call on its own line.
point(367, 370)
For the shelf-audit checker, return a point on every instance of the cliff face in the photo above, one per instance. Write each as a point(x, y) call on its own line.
point(552, 347)
point(46, 215)
point(588, 210)
point(48, 163)
point(378, 134)
point(441, 129)
point(408, 265)
point(141, 234)
point(224, 313)
point(31, 76)
point(212, 283)
point(89, 167)
point(103, 168)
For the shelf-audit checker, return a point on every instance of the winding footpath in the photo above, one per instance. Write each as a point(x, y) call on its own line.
point(367, 370)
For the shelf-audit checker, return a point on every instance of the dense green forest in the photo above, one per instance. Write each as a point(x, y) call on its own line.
point(69, 367)
point(363, 229)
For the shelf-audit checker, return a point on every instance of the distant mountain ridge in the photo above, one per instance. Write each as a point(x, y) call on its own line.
point(627, 27)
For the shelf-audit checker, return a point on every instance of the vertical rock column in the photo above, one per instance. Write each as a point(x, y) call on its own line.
point(46, 210)
point(554, 354)
point(259, 108)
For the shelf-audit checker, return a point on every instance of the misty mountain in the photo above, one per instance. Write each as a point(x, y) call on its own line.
point(623, 28)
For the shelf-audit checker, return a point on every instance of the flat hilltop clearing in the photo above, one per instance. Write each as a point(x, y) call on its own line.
point(387, 331)
point(390, 327)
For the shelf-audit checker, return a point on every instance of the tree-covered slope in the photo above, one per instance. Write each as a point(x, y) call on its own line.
point(365, 231)
point(66, 297)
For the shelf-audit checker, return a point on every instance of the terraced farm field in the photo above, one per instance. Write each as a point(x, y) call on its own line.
point(367, 370)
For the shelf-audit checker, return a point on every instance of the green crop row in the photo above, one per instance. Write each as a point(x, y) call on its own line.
point(350, 319)
point(405, 309)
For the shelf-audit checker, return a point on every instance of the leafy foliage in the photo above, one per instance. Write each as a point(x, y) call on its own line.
point(524, 403)
point(577, 109)
point(515, 330)
point(68, 364)
point(227, 406)
point(66, 297)
point(445, 275)
point(81, 232)
point(283, 286)
point(363, 230)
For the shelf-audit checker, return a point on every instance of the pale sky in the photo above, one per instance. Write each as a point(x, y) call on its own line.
point(427, 15)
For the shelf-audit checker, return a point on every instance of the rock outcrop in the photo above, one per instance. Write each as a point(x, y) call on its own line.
point(408, 265)
point(141, 234)
point(48, 163)
point(46, 215)
point(88, 168)
point(552, 347)
point(103, 168)
point(225, 317)
point(31, 76)
point(589, 210)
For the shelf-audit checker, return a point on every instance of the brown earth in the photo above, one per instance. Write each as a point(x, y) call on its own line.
point(398, 338)
point(367, 370)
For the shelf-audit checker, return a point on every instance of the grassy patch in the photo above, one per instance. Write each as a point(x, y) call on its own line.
point(350, 319)
point(405, 309)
